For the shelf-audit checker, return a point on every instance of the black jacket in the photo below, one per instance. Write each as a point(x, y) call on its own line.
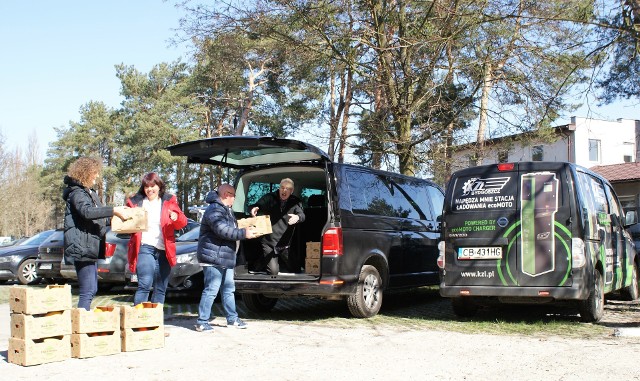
point(282, 231)
point(85, 223)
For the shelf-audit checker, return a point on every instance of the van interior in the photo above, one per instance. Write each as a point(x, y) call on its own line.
point(310, 186)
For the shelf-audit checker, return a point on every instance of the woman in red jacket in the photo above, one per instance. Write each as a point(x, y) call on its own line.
point(156, 247)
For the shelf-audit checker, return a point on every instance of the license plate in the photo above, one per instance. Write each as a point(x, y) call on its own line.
point(134, 278)
point(46, 266)
point(480, 252)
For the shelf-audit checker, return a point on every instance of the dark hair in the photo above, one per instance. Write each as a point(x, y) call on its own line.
point(151, 179)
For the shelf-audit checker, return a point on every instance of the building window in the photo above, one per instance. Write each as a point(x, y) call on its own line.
point(627, 158)
point(594, 150)
point(537, 153)
point(503, 156)
point(473, 160)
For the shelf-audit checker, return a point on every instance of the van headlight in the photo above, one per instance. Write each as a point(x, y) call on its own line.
point(578, 256)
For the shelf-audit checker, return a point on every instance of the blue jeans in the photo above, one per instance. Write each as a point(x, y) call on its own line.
point(214, 277)
point(153, 270)
point(87, 283)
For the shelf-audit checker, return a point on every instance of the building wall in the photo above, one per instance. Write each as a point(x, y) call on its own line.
point(616, 138)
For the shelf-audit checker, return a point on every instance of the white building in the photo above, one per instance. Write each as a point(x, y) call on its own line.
point(586, 142)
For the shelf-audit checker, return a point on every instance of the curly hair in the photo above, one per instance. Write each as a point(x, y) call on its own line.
point(84, 169)
point(149, 180)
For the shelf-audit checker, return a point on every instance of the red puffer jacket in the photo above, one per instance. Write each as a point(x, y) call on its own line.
point(168, 227)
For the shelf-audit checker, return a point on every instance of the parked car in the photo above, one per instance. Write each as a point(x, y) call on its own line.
point(112, 268)
point(50, 257)
point(187, 274)
point(18, 261)
point(375, 230)
point(535, 232)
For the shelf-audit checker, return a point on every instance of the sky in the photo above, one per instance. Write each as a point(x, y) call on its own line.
point(57, 56)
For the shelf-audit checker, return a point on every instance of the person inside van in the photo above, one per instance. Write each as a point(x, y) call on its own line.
point(285, 211)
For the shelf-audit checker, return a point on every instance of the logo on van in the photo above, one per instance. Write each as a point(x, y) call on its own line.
point(476, 186)
point(544, 235)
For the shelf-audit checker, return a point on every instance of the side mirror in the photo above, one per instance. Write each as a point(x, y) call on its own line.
point(631, 218)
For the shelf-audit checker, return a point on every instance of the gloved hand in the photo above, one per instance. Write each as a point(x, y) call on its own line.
point(293, 218)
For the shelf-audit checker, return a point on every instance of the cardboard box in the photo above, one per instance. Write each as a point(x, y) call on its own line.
point(150, 315)
point(137, 339)
point(25, 326)
point(313, 250)
point(137, 222)
point(95, 344)
point(262, 224)
point(39, 300)
point(39, 351)
point(312, 266)
point(100, 319)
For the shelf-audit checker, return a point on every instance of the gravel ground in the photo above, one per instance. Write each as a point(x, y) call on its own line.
point(278, 350)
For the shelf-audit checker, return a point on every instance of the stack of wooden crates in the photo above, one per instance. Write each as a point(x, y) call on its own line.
point(40, 324)
point(44, 327)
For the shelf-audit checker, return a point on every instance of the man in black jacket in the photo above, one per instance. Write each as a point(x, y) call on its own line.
point(284, 210)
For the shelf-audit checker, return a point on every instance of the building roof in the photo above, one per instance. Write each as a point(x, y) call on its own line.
point(619, 172)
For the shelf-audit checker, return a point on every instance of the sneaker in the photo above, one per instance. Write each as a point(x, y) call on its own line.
point(238, 324)
point(204, 327)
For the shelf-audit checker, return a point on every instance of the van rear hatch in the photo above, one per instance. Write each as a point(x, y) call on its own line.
point(244, 152)
point(507, 225)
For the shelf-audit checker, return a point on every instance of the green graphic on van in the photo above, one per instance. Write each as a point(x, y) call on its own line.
point(539, 197)
point(562, 236)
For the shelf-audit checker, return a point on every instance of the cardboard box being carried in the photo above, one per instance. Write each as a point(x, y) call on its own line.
point(100, 319)
point(146, 315)
point(95, 344)
point(25, 326)
point(313, 250)
point(137, 222)
point(262, 224)
point(137, 339)
point(39, 300)
point(39, 351)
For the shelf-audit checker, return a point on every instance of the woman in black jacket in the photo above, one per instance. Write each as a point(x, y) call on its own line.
point(85, 225)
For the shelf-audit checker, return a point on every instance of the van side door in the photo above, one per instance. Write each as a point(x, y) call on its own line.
point(420, 229)
point(618, 243)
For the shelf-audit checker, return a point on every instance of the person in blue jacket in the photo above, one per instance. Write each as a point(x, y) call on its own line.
point(218, 245)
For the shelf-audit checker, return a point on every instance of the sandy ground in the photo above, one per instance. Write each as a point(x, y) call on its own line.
point(278, 351)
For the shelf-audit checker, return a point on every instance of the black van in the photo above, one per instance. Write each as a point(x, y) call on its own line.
point(535, 232)
point(377, 229)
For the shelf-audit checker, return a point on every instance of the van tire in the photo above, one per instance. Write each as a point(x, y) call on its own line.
point(259, 302)
point(367, 300)
point(592, 309)
point(633, 291)
point(464, 307)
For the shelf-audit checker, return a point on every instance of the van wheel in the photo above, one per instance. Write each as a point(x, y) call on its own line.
point(632, 292)
point(259, 302)
point(592, 309)
point(368, 297)
point(27, 272)
point(464, 307)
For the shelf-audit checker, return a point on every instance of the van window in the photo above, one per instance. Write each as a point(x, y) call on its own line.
point(418, 195)
point(259, 189)
point(437, 201)
point(373, 194)
point(593, 201)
